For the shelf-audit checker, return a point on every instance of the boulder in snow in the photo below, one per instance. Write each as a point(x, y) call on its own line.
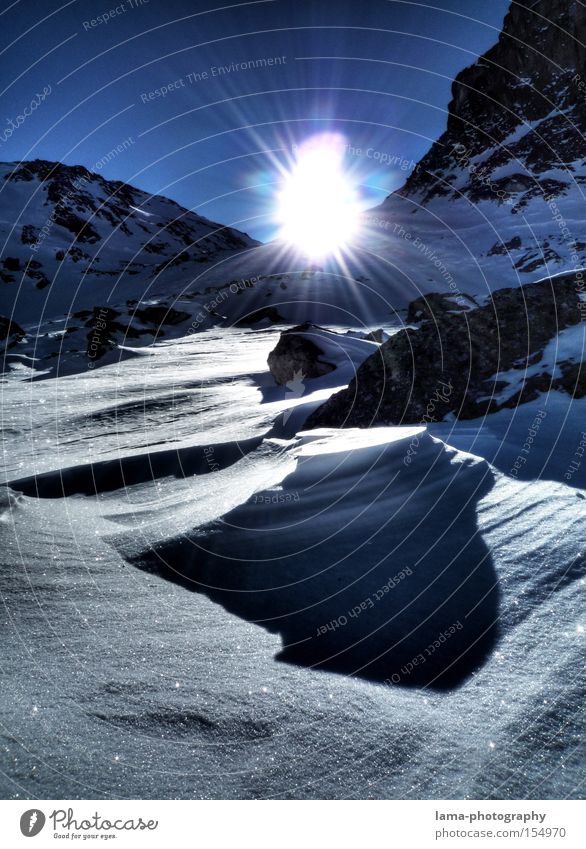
point(296, 354)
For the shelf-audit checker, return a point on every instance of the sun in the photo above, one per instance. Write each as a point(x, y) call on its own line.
point(318, 205)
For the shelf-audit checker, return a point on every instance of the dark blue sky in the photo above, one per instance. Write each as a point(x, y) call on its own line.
point(383, 80)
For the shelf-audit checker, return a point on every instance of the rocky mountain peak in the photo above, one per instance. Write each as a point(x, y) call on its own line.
point(525, 98)
point(528, 72)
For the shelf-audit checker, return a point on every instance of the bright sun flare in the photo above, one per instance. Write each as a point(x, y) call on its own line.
point(319, 208)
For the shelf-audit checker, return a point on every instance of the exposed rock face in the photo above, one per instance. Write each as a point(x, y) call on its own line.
point(269, 314)
point(436, 303)
point(463, 361)
point(508, 175)
point(10, 331)
point(296, 355)
point(77, 195)
point(532, 74)
point(507, 178)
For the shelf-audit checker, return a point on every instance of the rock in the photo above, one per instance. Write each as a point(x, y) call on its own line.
point(450, 363)
point(296, 355)
point(428, 306)
point(270, 314)
point(502, 248)
point(29, 234)
point(377, 336)
point(10, 330)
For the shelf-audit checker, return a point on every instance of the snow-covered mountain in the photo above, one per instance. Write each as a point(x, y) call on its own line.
point(466, 362)
point(504, 187)
point(166, 554)
point(72, 240)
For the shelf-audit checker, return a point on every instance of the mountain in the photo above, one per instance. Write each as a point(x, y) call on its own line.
point(206, 595)
point(72, 240)
point(518, 113)
point(503, 187)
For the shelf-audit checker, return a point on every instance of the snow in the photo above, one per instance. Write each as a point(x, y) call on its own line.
point(345, 351)
point(231, 672)
point(121, 262)
point(141, 211)
point(568, 346)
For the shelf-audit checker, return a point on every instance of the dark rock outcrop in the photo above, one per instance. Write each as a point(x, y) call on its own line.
point(10, 330)
point(455, 360)
point(535, 74)
point(296, 355)
point(270, 314)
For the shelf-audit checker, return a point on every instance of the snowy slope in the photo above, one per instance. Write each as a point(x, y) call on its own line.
point(71, 240)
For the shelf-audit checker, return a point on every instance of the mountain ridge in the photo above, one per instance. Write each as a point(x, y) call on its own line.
point(70, 230)
point(530, 82)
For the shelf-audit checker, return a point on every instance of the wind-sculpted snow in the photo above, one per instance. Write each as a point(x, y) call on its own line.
point(315, 558)
point(142, 626)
